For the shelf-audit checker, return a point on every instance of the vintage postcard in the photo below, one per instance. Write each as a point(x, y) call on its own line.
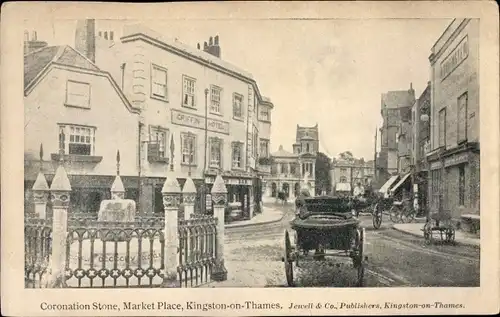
point(250, 158)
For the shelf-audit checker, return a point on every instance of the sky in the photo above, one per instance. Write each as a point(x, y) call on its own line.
point(326, 72)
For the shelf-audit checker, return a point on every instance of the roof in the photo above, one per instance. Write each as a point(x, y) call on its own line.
point(36, 61)
point(283, 153)
point(397, 99)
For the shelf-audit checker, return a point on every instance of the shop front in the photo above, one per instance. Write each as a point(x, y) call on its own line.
point(454, 181)
point(240, 193)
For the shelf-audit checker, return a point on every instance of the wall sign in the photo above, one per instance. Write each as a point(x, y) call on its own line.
point(435, 165)
point(456, 159)
point(198, 122)
point(457, 56)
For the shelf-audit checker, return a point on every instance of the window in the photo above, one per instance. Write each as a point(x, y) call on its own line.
point(264, 114)
point(106, 35)
point(77, 94)
point(264, 148)
point(461, 185)
point(284, 168)
point(293, 169)
point(188, 88)
point(238, 106)
point(215, 152)
point(343, 179)
point(188, 142)
point(111, 35)
point(343, 170)
point(307, 148)
point(215, 97)
point(81, 139)
point(237, 154)
point(462, 118)
point(159, 82)
point(442, 127)
point(158, 138)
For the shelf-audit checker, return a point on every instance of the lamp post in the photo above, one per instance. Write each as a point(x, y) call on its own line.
point(204, 187)
point(425, 118)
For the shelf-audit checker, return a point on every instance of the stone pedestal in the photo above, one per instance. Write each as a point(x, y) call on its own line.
point(60, 196)
point(171, 200)
point(188, 198)
point(40, 196)
point(219, 198)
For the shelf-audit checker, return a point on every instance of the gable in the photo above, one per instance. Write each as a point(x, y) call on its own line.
point(71, 57)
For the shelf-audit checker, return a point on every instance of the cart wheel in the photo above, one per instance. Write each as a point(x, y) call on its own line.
point(450, 235)
point(407, 215)
point(428, 233)
point(288, 261)
point(395, 214)
point(361, 261)
point(377, 217)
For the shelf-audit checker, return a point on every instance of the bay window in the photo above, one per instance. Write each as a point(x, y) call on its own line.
point(76, 139)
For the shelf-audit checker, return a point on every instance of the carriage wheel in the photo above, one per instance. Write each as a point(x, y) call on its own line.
point(450, 235)
point(377, 217)
point(407, 215)
point(360, 260)
point(395, 214)
point(288, 261)
point(428, 233)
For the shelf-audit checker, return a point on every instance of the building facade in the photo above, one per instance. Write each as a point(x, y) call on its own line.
point(289, 169)
point(74, 109)
point(454, 119)
point(395, 109)
point(199, 114)
point(349, 170)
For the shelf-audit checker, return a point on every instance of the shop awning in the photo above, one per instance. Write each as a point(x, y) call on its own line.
point(401, 182)
point(388, 184)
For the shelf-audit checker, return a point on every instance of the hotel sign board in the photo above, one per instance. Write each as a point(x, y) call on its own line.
point(198, 122)
point(457, 159)
point(455, 58)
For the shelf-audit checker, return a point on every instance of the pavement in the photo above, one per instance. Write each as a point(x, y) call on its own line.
point(269, 214)
point(415, 229)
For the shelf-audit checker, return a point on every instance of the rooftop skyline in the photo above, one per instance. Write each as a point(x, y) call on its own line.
point(329, 72)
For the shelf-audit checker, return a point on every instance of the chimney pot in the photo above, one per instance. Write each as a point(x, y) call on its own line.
point(411, 85)
point(205, 45)
point(26, 36)
point(211, 41)
point(198, 45)
point(33, 36)
point(216, 40)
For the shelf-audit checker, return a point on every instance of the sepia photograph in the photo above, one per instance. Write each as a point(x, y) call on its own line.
point(164, 152)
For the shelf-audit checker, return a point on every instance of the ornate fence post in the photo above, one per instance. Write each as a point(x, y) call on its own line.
point(117, 188)
point(60, 195)
point(40, 191)
point(171, 192)
point(219, 198)
point(188, 198)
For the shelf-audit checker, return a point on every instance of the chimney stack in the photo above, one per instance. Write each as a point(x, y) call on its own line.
point(32, 44)
point(85, 38)
point(213, 47)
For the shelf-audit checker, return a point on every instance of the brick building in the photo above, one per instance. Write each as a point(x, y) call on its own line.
point(199, 114)
point(454, 119)
point(395, 110)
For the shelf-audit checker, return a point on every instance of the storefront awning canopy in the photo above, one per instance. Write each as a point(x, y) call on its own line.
point(401, 182)
point(388, 184)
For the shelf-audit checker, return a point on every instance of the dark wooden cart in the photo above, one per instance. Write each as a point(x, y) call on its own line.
point(328, 227)
point(439, 224)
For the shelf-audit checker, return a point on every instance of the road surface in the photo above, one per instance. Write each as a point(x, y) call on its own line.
point(253, 258)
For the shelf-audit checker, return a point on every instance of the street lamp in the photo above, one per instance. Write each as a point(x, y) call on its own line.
point(204, 187)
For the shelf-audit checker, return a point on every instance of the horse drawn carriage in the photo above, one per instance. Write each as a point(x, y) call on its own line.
point(324, 226)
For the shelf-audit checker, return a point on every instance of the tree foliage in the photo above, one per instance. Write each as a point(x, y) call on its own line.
point(322, 170)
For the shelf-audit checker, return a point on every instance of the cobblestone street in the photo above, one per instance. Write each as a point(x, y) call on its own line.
point(395, 259)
